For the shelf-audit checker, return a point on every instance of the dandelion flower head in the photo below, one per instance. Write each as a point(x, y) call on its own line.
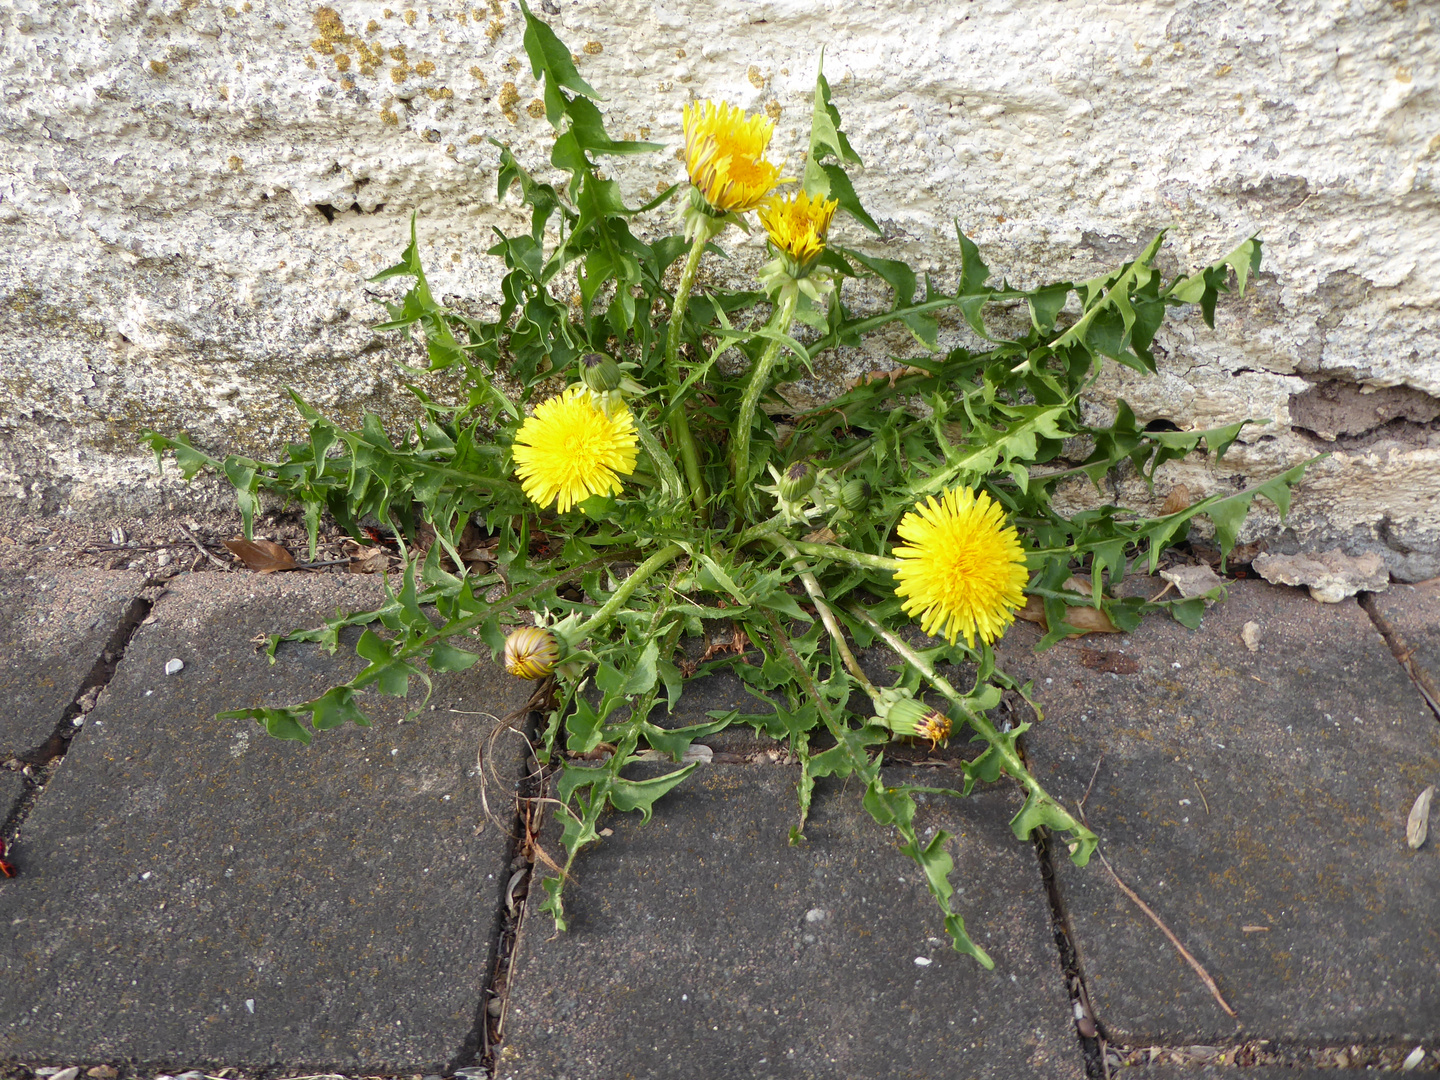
point(725, 156)
point(797, 225)
point(962, 570)
point(570, 450)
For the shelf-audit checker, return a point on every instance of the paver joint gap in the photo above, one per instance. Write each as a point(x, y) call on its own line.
point(1404, 653)
point(487, 1034)
point(1087, 1028)
point(41, 761)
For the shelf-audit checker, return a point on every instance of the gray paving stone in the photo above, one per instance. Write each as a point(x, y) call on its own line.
point(1227, 1072)
point(1413, 613)
point(1308, 752)
point(12, 788)
point(53, 627)
point(192, 890)
point(690, 953)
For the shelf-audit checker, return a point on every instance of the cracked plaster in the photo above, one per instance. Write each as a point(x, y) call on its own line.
point(163, 261)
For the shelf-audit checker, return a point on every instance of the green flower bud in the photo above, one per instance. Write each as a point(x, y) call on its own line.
point(601, 374)
point(797, 481)
point(531, 652)
point(911, 719)
point(855, 494)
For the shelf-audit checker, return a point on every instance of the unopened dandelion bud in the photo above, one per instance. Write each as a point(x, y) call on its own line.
point(855, 495)
point(911, 719)
point(601, 374)
point(797, 481)
point(531, 652)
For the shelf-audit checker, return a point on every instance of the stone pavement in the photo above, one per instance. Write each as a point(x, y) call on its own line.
point(193, 894)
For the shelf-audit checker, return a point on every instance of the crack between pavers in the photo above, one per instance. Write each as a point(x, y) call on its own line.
point(39, 764)
point(1087, 1027)
point(1088, 1031)
point(1403, 652)
point(478, 1054)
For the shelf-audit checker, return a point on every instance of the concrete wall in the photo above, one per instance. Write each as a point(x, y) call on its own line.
point(192, 195)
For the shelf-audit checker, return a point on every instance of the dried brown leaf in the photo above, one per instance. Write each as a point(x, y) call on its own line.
point(372, 561)
point(1192, 580)
point(820, 536)
point(1418, 825)
point(262, 556)
point(1109, 660)
point(1089, 620)
point(1177, 500)
point(1086, 620)
point(1033, 611)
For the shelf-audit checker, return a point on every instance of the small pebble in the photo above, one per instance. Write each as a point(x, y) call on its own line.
point(68, 1074)
point(1414, 1059)
point(816, 915)
point(250, 1004)
point(193, 1074)
point(102, 1072)
point(172, 667)
point(922, 961)
point(164, 559)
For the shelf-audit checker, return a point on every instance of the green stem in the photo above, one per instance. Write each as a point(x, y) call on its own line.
point(759, 380)
point(836, 553)
point(679, 423)
point(1009, 759)
point(621, 596)
point(817, 596)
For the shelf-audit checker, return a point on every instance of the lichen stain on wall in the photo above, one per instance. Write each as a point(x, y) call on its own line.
point(193, 195)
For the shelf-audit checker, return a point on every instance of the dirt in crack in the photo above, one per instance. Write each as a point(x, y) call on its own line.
point(1087, 1028)
point(477, 1055)
point(39, 763)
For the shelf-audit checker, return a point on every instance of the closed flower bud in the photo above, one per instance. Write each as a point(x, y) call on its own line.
point(855, 494)
point(797, 481)
point(600, 373)
point(531, 652)
point(911, 719)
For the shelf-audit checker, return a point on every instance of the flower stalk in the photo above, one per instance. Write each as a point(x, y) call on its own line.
point(679, 422)
point(1010, 761)
point(759, 380)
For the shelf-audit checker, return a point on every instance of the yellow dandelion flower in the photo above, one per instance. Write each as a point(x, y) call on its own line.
point(797, 225)
point(725, 156)
point(570, 450)
point(963, 570)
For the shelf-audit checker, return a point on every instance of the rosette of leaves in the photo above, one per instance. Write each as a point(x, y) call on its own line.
point(625, 577)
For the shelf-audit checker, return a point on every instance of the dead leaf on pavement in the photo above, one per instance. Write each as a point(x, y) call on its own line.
point(1177, 500)
point(820, 536)
point(1087, 620)
point(373, 561)
point(1192, 580)
point(1109, 660)
point(1419, 824)
point(262, 556)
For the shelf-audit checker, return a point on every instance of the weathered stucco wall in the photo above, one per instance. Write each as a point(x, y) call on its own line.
point(192, 195)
